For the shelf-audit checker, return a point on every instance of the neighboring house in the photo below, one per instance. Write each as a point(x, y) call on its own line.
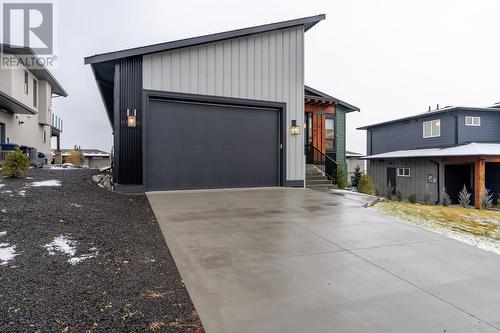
point(354, 160)
point(449, 147)
point(93, 158)
point(222, 110)
point(26, 117)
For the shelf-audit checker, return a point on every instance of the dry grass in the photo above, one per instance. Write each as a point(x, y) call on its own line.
point(473, 222)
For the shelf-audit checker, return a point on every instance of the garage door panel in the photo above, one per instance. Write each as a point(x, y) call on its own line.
point(208, 146)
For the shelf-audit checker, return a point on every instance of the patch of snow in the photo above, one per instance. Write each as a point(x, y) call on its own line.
point(30, 178)
point(68, 247)
point(76, 205)
point(7, 253)
point(22, 193)
point(6, 191)
point(52, 182)
point(3, 233)
point(3, 211)
point(2, 185)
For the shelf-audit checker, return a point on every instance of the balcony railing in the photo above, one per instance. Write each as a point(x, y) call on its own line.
point(56, 123)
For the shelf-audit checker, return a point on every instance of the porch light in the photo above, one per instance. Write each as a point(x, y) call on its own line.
point(295, 129)
point(131, 118)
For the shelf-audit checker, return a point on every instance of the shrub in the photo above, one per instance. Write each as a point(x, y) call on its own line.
point(445, 198)
point(366, 185)
point(399, 194)
point(412, 199)
point(16, 164)
point(340, 178)
point(389, 190)
point(487, 199)
point(426, 198)
point(356, 177)
point(464, 197)
point(75, 157)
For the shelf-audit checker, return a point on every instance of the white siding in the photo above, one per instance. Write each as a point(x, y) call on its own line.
point(267, 66)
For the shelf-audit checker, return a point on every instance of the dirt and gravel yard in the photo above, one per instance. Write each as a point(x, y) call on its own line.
point(78, 258)
point(480, 228)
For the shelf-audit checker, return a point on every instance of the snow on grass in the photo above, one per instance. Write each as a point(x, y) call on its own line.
point(480, 228)
point(52, 182)
point(2, 185)
point(67, 246)
point(76, 205)
point(3, 233)
point(22, 193)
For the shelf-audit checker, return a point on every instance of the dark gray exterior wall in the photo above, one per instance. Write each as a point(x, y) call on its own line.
point(489, 131)
point(420, 168)
point(128, 141)
point(408, 134)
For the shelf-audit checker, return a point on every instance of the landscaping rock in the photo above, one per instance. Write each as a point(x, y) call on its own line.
point(125, 279)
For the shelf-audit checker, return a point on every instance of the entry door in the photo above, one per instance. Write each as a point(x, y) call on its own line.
point(319, 131)
point(391, 177)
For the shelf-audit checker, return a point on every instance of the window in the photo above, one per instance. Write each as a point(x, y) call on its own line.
point(403, 172)
point(432, 128)
point(44, 137)
point(472, 121)
point(330, 134)
point(35, 93)
point(26, 87)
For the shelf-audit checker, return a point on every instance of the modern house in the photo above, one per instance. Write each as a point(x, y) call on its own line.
point(93, 158)
point(26, 92)
point(222, 110)
point(354, 160)
point(449, 147)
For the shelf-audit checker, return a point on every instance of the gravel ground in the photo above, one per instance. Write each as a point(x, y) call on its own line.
point(79, 258)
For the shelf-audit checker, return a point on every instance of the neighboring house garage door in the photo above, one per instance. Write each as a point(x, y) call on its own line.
point(199, 145)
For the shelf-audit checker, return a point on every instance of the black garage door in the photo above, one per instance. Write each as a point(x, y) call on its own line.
point(196, 146)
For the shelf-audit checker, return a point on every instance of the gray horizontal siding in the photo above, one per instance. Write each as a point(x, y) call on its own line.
point(267, 66)
point(415, 184)
point(409, 135)
point(489, 131)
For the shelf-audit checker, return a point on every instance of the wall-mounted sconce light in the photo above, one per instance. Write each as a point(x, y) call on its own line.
point(295, 129)
point(131, 118)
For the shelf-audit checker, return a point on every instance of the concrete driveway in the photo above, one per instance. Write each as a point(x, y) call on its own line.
point(296, 260)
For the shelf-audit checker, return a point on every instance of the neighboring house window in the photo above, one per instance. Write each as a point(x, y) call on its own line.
point(330, 134)
point(26, 84)
point(472, 121)
point(432, 128)
point(35, 93)
point(44, 136)
point(404, 172)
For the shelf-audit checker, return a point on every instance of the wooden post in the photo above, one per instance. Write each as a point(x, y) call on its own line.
point(479, 181)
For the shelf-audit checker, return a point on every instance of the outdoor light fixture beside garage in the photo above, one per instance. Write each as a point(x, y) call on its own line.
point(131, 118)
point(295, 129)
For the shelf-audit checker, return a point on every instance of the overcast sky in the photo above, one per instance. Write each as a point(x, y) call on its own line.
point(391, 58)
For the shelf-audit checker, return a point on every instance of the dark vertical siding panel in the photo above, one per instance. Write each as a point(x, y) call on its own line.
point(130, 140)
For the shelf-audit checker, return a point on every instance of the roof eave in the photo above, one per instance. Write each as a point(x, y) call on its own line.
point(307, 22)
point(57, 88)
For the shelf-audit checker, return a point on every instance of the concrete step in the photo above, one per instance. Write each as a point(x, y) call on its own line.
point(316, 174)
point(318, 182)
point(316, 177)
point(322, 187)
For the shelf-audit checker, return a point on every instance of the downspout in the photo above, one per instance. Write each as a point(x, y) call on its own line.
point(438, 181)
